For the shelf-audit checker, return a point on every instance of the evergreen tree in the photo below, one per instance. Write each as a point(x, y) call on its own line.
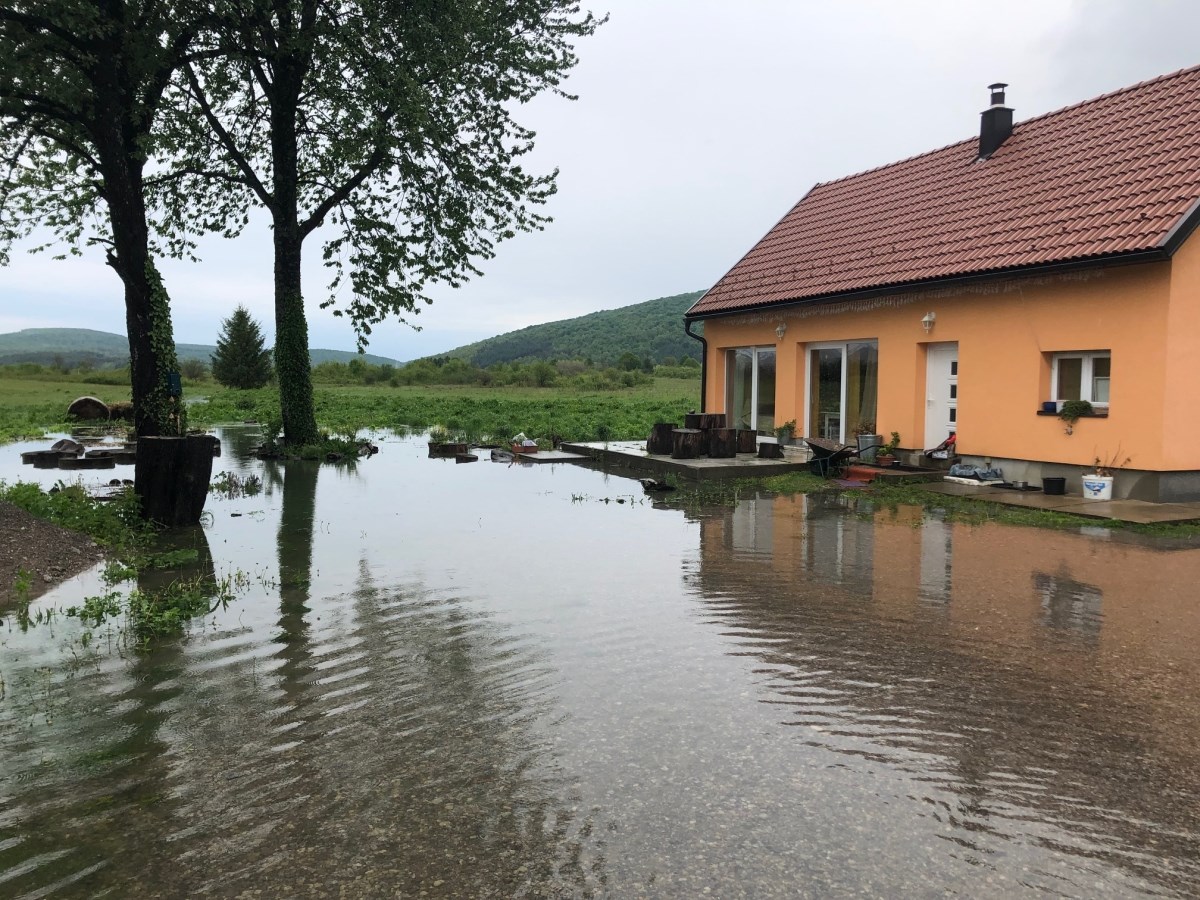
point(242, 360)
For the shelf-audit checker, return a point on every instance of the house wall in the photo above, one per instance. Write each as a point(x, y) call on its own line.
point(1181, 400)
point(1006, 332)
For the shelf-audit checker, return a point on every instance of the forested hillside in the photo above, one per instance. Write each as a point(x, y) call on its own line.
point(102, 349)
point(653, 329)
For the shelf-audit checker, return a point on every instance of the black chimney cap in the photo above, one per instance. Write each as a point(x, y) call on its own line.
point(995, 123)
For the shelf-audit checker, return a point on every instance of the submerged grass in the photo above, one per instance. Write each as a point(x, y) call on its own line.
point(970, 510)
point(116, 524)
point(965, 510)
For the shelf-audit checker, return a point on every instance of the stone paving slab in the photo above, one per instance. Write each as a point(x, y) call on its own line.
point(551, 456)
point(1141, 512)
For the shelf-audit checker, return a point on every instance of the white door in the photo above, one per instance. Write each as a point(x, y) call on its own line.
point(941, 393)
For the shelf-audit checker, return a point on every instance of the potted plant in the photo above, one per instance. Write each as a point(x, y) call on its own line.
point(1072, 410)
point(886, 455)
point(868, 441)
point(1098, 480)
point(786, 433)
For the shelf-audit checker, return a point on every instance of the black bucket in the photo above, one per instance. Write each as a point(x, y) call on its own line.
point(1054, 485)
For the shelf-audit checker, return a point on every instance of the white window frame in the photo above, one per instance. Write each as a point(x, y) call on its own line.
point(1086, 357)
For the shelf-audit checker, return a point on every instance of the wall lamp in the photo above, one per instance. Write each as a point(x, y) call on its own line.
point(927, 322)
point(781, 330)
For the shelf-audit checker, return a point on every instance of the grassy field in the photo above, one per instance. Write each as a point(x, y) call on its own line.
point(29, 407)
point(477, 412)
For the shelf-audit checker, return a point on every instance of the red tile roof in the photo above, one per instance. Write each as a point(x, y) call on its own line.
point(1114, 175)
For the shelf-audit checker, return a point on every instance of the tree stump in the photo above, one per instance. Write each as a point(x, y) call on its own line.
point(687, 443)
point(770, 450)
point(711, 420)
point(747, 440)
point(661, 441)
point(692, 420)
point(722, 442)
point(171, 477)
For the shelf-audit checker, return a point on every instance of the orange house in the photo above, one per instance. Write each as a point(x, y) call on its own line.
point(974, 289)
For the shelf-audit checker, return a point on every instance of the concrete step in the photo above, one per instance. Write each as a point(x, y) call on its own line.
point(894, 474)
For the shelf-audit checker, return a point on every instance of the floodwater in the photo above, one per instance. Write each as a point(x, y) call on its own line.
point(490, 681)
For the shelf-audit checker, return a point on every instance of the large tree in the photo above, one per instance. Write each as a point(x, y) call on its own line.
point(82, 83)
point(241, 359)
point(390, 120)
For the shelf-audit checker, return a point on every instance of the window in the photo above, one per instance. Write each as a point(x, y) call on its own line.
point(750, 388)
point(1081, 376)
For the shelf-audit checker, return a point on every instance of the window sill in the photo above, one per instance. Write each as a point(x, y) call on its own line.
point(1094, 414)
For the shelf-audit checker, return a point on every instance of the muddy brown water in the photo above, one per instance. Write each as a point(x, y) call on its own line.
point(494, 680)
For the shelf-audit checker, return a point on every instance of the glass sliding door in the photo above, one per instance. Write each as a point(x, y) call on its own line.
point(764, 396)
point(750, 388)
point(843, 386)
point(741, 388)
point(825, 393)
point(862, 387)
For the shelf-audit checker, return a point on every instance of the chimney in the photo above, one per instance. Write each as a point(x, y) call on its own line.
point(996, 122)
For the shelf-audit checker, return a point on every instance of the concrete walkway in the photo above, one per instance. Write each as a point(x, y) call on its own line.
point(633, 454)
point(1140, 512)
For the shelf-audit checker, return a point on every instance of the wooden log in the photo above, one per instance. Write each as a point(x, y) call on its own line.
point(661, 440)
point(86, 462)
point(747, 440)
point(687, 443)
point(171, 477)
point(722, 443)
point(692, 420)
point(770, 450)
point(448, 448)
point(712, 420)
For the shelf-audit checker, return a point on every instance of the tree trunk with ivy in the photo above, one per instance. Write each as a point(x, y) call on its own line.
point(119, 138)
point(292, 367)
point(292, 363)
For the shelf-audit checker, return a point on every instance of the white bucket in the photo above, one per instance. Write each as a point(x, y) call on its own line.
point(1097, 487)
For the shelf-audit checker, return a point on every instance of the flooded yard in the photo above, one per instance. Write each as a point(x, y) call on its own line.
point(497, 680)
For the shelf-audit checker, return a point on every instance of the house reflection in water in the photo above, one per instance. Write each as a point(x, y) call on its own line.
point(1021, 586)
point(1020, 675)
point(1069, 606)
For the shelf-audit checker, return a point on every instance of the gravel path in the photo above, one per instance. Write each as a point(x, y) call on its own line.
point(48, 552)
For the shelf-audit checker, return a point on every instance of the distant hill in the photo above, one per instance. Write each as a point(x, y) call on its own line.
point(71, 346)
point(653, 329)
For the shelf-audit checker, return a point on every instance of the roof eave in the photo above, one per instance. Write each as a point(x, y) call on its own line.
point(1157, 254)
point(1180, 231)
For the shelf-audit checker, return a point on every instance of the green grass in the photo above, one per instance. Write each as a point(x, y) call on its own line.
point(115, 524)
point(501, 412)
point(31, 407)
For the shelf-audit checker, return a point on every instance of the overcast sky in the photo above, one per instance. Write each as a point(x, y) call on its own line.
point(699, 123)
